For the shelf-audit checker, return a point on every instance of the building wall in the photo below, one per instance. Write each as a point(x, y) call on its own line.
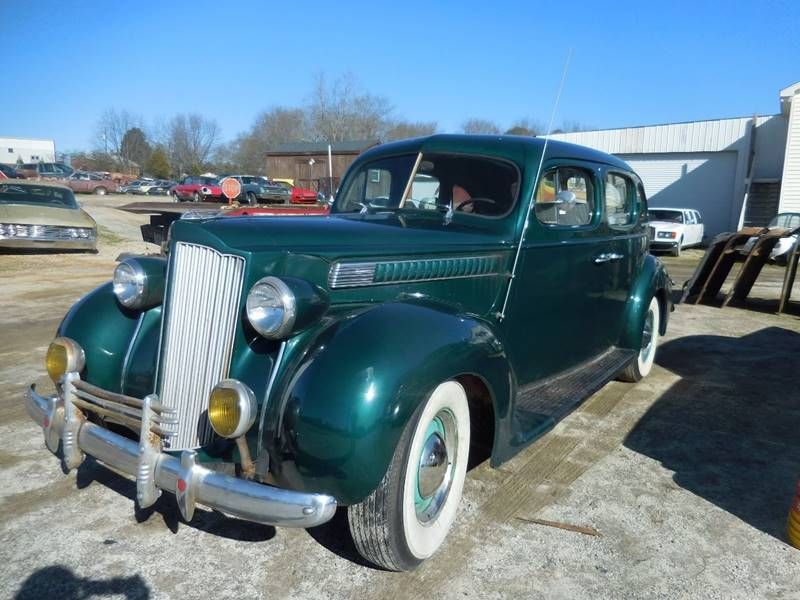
point(296, 167)
point(790, 184)
point(676, 157)
point(27, 150)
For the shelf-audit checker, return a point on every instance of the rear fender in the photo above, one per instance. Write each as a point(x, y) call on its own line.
point(653, 281)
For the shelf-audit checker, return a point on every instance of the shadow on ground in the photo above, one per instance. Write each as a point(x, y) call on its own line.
point(728, 428)
point(59, 582)
point(166, 506)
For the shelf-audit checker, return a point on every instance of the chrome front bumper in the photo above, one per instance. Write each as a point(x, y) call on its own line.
point(63, 424)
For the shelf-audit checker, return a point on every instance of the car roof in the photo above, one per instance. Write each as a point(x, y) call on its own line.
point(35, 182)
point(512, 147)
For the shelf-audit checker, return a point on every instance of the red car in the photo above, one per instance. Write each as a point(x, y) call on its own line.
point(300, 195)
point(198, 188)
point(247, 211)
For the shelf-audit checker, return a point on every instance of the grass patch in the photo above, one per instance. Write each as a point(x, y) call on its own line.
point(106, 236)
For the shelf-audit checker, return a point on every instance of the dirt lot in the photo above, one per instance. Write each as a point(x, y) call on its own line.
point(686, 479)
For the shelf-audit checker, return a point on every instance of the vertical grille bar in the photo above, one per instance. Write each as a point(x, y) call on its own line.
point(205, 290)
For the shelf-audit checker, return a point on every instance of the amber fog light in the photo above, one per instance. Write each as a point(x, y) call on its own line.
point(64, 356)
point(231, 408)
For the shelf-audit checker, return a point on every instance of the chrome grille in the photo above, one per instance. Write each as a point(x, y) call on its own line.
point(200, 321)
point(52, 233)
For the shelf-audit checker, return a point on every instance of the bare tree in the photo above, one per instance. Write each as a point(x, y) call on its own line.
point(479, 126)
point(400, 130)
point(341, 111)
point(190, 141)
point(111, 129)
point(526, 126)
point(272, 127)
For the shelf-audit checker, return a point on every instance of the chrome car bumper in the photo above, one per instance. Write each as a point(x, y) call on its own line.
point(63, 424)
point(44, 244)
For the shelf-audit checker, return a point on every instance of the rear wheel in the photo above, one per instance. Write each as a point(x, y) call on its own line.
point(641, 367)
point(406, 519)
point(197, 197)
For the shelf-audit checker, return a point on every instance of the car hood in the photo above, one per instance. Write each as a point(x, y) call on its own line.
point(28, 214)
point(668, 225)
point(335, 236)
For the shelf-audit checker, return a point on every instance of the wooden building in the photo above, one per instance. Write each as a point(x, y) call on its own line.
point(306, 163)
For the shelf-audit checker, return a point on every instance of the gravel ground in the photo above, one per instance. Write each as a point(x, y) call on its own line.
point(680, 484)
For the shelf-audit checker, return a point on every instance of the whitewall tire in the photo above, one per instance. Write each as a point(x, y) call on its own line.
point(406, 519)
point(641, 367)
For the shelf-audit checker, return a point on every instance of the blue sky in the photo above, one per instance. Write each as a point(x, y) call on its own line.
point(632, 64)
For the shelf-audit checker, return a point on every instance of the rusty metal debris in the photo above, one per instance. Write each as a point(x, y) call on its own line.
point(566, 526)
point(721, 256)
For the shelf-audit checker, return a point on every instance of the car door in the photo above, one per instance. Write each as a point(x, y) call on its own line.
point(555, 316)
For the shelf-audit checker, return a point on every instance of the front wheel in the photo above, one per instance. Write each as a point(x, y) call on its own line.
point(251, 198)
point(676, 249)
point(197, 197)
point(100, 191)
point(406, 519)
point(641, 367)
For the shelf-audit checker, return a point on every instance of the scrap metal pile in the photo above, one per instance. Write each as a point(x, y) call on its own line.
point(725, 251)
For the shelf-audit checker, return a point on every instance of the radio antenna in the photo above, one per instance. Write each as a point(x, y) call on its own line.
point(501, 315)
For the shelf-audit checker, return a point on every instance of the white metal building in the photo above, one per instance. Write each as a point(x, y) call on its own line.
point(12, 150)
point(712, 166)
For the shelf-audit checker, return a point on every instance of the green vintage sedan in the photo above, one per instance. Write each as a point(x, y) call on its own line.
point(44, 216)
point(463, 296)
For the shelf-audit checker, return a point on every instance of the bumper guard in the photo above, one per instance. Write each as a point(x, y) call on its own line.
point(63, 423)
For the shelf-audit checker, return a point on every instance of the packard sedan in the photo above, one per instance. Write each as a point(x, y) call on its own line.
point(464, 294)
point(36, 215)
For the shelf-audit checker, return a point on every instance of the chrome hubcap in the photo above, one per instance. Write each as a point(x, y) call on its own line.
point(432, 465)
point(647, 335)
point(435, 467)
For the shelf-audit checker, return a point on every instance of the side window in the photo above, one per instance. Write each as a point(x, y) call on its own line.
point(424, 192)
point(689, 217)
point(698, 218)
point(619, 199)
point(565, 196)
point(379, 186)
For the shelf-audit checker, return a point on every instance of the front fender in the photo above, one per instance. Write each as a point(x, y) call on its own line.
point(345, 406)
point(104, 330)
point(653, 280)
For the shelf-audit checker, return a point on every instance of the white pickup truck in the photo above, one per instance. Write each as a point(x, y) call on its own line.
point(674, 229)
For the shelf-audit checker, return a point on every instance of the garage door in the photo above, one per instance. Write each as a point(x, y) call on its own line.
point(700, 180)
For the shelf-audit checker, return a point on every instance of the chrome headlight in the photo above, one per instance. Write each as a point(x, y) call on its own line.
point(271, 308)
point(139, 282)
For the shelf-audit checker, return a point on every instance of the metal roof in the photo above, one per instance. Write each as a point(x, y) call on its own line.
point(346, 147)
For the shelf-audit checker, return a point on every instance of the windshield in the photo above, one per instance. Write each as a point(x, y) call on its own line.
point(470, 184)
point(671, 216)
point(786, 220)
point(38, 195)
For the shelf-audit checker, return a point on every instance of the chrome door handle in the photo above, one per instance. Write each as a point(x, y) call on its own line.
point(607, 257)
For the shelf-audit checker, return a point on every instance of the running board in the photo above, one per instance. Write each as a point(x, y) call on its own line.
point(540, 405)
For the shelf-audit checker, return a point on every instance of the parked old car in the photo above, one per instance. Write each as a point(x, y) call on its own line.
point(674, 229)
point(299, 195)
point(357, 359)
point(9, 172)
point(43, 216)
point(46, 170)
point(260, 189)
point(198, 188)
point(160, 188)
point(90, 183)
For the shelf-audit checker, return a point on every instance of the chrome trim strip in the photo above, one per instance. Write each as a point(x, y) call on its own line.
point(272, 376)
point(361, 274)
point(194, 483)
point(126, 359)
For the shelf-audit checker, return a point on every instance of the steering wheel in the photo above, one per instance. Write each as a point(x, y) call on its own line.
point(475, 201)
